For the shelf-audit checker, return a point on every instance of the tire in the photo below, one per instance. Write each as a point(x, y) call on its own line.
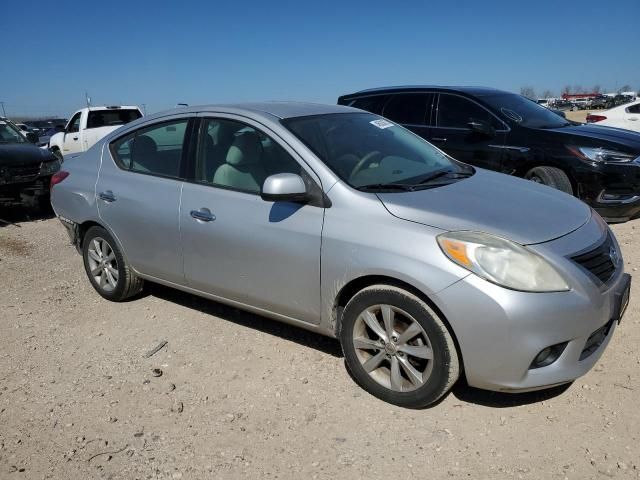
point(115, 279)
point(551, 177)
point(428, 347)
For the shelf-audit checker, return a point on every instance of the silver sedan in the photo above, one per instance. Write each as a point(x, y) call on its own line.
point(346, 224)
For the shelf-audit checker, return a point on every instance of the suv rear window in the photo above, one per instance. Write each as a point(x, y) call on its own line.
point(109, 118)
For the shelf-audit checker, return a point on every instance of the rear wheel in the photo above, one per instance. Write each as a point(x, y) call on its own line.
point(397, 348)
point(552, 177)
point(106, 267)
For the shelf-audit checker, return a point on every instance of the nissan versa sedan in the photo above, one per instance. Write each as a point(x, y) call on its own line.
point(346, 224)
point(511, 134)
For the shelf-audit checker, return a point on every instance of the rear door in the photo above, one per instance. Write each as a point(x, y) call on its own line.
point(411, 110)
point(451, 132)
point(238, 246)
point(138, 195)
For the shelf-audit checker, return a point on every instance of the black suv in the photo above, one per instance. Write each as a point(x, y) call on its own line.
point(511, 134)
point(25, 169)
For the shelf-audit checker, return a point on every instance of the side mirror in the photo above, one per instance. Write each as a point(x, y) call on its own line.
point(32, 137)
point(287, 187)
point(480, 126)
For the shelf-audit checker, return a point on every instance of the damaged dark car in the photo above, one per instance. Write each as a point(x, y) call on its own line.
point(25, 169)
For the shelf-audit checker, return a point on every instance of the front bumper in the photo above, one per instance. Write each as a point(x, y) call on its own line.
point(501, 331)
point(23, 192)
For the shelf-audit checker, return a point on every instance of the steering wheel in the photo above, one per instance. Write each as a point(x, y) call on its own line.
point(364, 162)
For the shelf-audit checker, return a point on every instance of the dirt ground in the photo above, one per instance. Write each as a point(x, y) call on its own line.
point(241, 396)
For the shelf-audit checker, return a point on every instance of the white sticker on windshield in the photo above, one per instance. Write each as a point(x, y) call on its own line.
point(381, 123)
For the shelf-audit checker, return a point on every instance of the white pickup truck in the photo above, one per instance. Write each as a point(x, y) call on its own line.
point(89, 125)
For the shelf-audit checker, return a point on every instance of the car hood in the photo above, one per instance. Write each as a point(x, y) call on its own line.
point(23, 154)
point(506, 206)
point(599, 132)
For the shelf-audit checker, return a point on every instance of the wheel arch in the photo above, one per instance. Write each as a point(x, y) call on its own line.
point(351, 288)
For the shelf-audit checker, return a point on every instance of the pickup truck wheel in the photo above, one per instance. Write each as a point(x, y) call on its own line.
point(397, 348)
point(106, 267)
point(552, 177)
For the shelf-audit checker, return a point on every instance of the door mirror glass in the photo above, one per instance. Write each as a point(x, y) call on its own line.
point(32, 137)
point(284, 187)
point(482, 127)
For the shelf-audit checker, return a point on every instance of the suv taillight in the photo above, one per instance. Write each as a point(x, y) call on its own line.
point(595, 118)
point(57, 177)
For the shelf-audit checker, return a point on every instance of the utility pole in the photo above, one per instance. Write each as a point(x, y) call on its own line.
point(4, 113)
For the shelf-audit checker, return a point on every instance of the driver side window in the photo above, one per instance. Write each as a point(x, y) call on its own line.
point(74, 124)
point(237, 156)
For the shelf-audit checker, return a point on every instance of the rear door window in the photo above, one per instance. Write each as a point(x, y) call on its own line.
point(373, 104)
point(456, 112)
point(634, 108)
point(155, 150)
point(408, 108)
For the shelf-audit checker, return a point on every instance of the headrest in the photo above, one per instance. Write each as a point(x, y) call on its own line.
point(245, 150)
point(144, 145)
point(222, 133)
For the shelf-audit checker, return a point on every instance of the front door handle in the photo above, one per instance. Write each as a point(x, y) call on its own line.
point(107, 196)
point(439, 139)
point(203, 215)
point(633, 119)
point(75, 138)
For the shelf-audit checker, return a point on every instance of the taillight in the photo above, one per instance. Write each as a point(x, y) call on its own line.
point(595, 118)
point(57, 177)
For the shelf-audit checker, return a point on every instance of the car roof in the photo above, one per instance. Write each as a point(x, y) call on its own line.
point(280, 110)
point(476, 91)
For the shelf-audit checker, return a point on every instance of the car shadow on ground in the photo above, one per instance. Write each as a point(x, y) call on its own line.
point(462, 391)
point(13, 216)
point(263, 324)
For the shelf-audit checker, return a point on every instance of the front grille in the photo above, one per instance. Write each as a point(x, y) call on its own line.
point(20, 173)
point(601, 261)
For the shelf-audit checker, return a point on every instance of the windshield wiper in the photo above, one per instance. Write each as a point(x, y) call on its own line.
point(445, 173)
point(386, 186)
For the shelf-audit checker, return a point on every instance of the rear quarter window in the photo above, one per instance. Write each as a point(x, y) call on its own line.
point(372, 104)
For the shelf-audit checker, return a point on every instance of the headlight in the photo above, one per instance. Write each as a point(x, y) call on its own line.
point(49, 168)
point(501, 261)
point(601, 155)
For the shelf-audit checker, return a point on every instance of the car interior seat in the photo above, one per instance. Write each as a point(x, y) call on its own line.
point(243, 169)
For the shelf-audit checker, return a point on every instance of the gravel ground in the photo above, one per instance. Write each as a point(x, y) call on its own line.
point(241, 396)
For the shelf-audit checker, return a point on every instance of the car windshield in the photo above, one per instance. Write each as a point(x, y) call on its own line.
point(371, 153)
point(525, 112)
point(10, 134)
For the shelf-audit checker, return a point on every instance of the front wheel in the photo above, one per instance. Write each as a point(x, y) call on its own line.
point(551, 177)
point(397, 348)
point(106, 267)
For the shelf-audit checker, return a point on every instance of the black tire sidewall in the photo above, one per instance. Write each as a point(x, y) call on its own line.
point(439, 379)
point(118, 292)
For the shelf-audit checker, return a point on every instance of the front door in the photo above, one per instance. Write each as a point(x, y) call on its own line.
point(138, 196)
point(451, 132)
point(237, 246)
point(71, 142)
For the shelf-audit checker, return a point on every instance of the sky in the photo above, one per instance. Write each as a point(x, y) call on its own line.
point(160, 53)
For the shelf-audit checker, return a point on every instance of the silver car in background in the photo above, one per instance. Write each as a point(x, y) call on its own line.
point(346, 224)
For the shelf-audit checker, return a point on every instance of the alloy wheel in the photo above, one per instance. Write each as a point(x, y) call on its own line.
point(103, 264)
point(393, 348)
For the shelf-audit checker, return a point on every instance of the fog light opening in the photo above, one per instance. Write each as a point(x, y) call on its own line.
point(548, 355)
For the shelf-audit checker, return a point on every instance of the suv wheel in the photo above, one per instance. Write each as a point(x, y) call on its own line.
point(106, 267)
point(552, 177)
point(397, 348)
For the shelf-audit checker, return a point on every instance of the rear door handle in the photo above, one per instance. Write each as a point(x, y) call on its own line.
point(107, 196)
point(203, 215)
point(633, 119)
point(75, 138)
point(439, 139)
